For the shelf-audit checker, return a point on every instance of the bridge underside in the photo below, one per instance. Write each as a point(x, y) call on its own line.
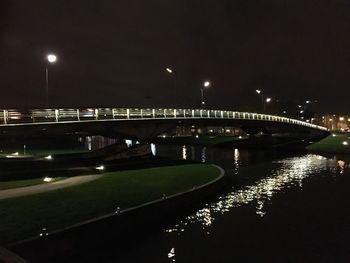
point(147, 129)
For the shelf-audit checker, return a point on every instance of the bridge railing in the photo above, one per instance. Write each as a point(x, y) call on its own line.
point(37, 116)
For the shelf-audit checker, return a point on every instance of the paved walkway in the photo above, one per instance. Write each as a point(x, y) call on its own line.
point(40, 188)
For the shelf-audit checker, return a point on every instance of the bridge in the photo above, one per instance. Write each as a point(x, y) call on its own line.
point(145, 122)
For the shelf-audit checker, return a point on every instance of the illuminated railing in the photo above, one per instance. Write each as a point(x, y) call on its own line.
point(37, 116)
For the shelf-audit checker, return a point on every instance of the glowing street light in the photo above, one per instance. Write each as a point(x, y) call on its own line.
point(260, 92)
point(267, 100)
point(51, 59)
point(206, 84)
point(172, 72)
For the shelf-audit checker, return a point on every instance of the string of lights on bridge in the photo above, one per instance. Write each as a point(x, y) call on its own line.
point(42, 116)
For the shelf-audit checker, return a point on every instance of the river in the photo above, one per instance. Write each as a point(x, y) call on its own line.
point(289, 208)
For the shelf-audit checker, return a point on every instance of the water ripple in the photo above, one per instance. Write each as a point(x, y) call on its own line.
point(290, 172)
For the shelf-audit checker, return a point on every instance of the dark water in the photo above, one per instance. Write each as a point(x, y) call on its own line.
point(285, 209)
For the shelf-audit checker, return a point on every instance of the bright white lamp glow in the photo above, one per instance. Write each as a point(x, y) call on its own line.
point(206, 84)
point(169, 70)
point(49, 157)
point(100, 168)
point(51, 58)
point(268, 99)
point(258, 91)
point(47, 179)
point(345, 143)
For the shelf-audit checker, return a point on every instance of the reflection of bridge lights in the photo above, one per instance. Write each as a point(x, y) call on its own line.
point(184, 152)
point(341, 165)
point(236, 158)
point(292, 172)
point(171, 254)
point(153, 149)
point(236, 155)
point(204, 155)
point(259, 208)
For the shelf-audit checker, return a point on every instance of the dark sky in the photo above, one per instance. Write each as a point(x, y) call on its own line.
point(114, 53)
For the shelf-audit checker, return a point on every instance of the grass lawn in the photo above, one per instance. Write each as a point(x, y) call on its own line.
point(24, 217)
point(21, 183)
point(335, 143)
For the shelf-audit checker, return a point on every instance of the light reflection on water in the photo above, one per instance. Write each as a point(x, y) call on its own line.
point(204, 155)
point(289, 172)
point(184, 152)
point(97, 142)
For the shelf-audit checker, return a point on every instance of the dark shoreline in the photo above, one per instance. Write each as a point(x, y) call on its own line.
point(66, 244)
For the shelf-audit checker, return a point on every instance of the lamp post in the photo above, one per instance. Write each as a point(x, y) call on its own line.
point(206, 84)
point(259, 91)
point(172, 73)
point(51, 58)
point(268, 100)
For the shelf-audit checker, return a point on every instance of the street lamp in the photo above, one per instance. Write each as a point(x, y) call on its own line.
point(172, 72)
point(262, 98)
point(268, 100)
point(206, 84)
point(51, 59)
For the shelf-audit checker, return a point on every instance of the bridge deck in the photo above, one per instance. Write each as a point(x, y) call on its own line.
point(14, 117)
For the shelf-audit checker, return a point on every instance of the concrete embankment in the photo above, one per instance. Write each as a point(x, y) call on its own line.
point(115, 227)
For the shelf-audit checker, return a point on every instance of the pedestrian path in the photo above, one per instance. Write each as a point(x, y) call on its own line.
point(40, 188)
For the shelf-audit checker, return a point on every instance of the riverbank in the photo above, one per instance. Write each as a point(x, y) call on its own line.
point(125, 223)
point(334, 144)
point(25, 217)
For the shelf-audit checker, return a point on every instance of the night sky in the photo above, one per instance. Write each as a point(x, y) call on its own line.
point(114, 53)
